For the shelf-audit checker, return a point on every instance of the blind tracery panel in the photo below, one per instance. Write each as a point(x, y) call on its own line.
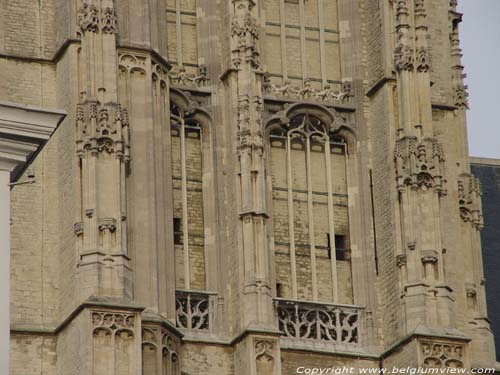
point(302, 43)
point(187, 172)
point(310, 212)
point(182, 37)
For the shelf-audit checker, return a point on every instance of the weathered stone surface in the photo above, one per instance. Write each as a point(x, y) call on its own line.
point(200, 135)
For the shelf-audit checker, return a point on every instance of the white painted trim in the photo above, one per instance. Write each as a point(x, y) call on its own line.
point(23, 132)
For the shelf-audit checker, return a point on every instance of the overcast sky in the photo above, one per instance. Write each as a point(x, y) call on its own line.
point(480, 42)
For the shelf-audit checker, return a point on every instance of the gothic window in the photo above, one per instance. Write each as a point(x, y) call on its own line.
point(301, 49)
point(182, 44)
point(187, 182)
point(310, 211)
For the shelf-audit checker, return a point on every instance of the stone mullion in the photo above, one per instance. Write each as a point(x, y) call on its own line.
point(303, 50)
point(284, 69)
point(291, 218)
point(310, 211)
point(178, 26)
point(331, 221)
point(185, 221)
point(322, 46)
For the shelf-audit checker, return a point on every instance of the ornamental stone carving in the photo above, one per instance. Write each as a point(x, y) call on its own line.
point(401, 260)
point(423, 60)
point(158, 340)
point(131, 63)
point(420, 8)
point(88, 18)
point(78, 228)
point(442, 355)
point(182, 78)
point(108, 21)
point(102, 128)
point(264, 349)
point(244, 34)
point(303, 320)
point(420, 164)
point(469, 200)
point(250, 134)
point(402, 8)
point(403, 58)
point(461, 96)
point(112, 322)
point(194, 310)
point(307, 91)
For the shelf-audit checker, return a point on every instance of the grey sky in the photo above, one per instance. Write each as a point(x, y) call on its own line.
point(480, 42)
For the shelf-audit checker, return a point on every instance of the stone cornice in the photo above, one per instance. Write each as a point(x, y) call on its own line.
point(23, 131)
point(92, 302)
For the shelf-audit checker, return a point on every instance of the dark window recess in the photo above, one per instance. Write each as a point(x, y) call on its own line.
point(342, 252)
point(279, 290)
point(177, 231)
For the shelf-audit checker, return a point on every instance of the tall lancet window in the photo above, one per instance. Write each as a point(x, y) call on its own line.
point(310, 211)
point(188, 223)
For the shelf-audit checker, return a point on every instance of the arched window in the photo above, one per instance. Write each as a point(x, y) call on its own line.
point(310, 214)
point(192, 168)
point(187, 183)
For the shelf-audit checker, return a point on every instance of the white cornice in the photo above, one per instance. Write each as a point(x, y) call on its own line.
point(23, 132)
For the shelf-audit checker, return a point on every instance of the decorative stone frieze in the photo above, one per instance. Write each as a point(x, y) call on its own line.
point(112, 322)
point(91, 19)
point(130, 63)
point(442, 355)
point(181, 78)
point(307, 92)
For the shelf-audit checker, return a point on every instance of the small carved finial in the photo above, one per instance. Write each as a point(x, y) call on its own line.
point(109, 23)
point(88, 18)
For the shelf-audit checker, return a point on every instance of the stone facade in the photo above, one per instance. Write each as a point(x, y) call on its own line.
point(244, 187)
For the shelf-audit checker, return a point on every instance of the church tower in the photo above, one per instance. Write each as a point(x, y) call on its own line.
point(248, 187)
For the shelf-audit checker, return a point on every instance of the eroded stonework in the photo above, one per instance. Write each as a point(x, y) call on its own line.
point(244, 187)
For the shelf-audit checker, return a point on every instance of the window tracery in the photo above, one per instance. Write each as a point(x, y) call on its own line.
point(187, 172)
point(308, 159)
